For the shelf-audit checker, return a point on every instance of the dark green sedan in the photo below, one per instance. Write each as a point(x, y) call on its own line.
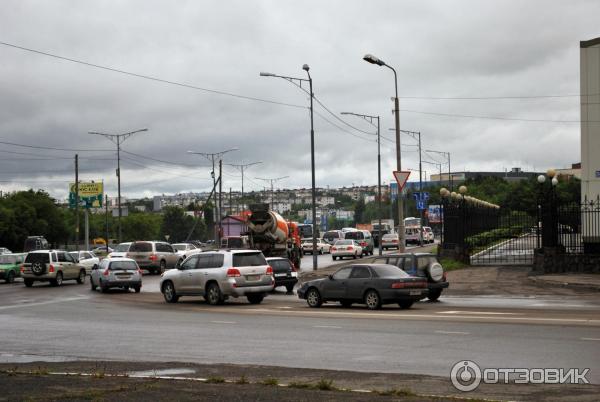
point(10, 266)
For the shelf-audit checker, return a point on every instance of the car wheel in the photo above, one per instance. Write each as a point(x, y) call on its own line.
point(354, 256)
point(434, 294)
point(313, 298)
point(405, 304)
point(11, 277)
point(168, 291)
point(372, 300)
point(320, 251)
point(214, 296)
point(92, 286)
point(435, 272)
point(361, 255)
point(58, 280)
point(103, 287)
point(333, 257)
point(28, 282)
point(163, 266)
point(346, 304)
point(126, 288)
point(81, 277)
point(137, 289)
point(289, 288)
point(255, 298)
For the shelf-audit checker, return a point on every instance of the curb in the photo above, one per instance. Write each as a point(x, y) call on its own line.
point(564, 284)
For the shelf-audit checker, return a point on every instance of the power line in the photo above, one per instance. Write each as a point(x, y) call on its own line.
point(509, 97)
point(163, 161)
point(148, 77)
point(162, 170)
point(55, 149)
point(496, 117)
point(343, 129)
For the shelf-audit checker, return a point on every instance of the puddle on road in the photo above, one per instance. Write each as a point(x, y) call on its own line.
point(18, 358)
point(161, 372)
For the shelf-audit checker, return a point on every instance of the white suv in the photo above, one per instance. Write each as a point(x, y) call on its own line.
point(218, 275)
point(52, 266)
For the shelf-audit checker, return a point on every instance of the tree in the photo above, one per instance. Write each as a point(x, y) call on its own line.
point(359, 210)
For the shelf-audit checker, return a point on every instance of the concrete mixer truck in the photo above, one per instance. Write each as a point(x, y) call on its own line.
point(270, 233)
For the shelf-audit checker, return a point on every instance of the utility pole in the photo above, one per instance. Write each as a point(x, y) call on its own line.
point(242, 167)
point(77, 201)
point(220, 200)
point(272, 181)
point(106, 218)
point(118, 140)
point(447, 155)
point(212, 157)
point(417, 136)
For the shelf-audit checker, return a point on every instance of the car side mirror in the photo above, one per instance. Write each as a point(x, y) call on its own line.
point(330, 277)
point(94, 268)
point(180, 267)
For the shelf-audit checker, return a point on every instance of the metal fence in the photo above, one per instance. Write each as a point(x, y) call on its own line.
point(576, 228)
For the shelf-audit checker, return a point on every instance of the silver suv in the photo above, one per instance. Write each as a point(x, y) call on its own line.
point(218, 275)
point(155, 256)
point(52, 266)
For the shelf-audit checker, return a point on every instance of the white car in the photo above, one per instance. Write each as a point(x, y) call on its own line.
point(86, 259)
point(120, 251)
point(428, 236)
point(390, 241)
point(184, 250)
point(346, 248)
point(322, 247)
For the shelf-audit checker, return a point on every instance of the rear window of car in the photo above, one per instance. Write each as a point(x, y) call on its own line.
point(38, 257)
point(122, 247)
point(389, 237)
point(248, 259)
point(122, 265)
point(141, 247)
point(280, 264)
point(235, 243)
point(355, 235)
point(8, 259)
point(331, 235)
point(180, 247)
point(389, 271)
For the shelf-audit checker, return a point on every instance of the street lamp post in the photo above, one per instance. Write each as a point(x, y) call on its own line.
point(273, 180)
point(242, 167)
point(370, 120)
point(374, 60)
point(312, 152)
point(447, 155)
point(118, 140)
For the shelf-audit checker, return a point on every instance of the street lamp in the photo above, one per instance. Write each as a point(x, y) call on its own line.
point(312, 151)
point(375, 60)
point(370, 120)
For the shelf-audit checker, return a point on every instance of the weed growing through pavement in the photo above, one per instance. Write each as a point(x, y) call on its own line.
point(215, 380)
point(270, 381)
point(325, 385)
point(242, 380)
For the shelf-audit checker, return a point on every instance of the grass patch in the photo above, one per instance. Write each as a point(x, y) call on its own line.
point(300, 385)
point(242, 380)
point(215, 380)
point(325, 385)
point(270, 381)
point(401, 392)
point(450, 264)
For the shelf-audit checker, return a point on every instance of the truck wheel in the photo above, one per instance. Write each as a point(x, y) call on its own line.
point(58, 280)
point(214, 296)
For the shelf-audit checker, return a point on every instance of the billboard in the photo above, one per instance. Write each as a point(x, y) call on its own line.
point(434, 214)
point(91, 194)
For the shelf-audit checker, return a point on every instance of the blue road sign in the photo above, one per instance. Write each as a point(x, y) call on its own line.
point(424, 196)
point(421, 205)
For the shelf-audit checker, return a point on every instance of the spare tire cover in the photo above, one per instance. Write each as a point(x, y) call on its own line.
point(38, 268)
point(435, 271)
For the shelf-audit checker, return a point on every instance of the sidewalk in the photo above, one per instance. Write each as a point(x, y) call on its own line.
point(574, 281)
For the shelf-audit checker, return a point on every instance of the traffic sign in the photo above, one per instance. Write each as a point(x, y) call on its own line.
point(421, 205)
point(424, 196)
point(401, 178)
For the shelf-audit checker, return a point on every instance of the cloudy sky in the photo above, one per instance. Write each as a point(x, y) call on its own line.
point(493, 83)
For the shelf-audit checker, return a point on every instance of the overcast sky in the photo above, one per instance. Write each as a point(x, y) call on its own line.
point(440, 49)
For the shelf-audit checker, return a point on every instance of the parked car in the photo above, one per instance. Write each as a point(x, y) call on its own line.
point(322, 247)
point(284, 272)
point(331, 236)
point(184, 250)
point(54, 266)
point(4, 250)
point(428, 236)
point(370, 284)
point(218, 275)
point(412, 235)
point(154, 256)
point(364, 239)
point(120, 250)
point(86, 259)
point(10, 266)
point(346, 248)
point(390, 241)
point(35, 243)
point(422, 265)
point(117, 272)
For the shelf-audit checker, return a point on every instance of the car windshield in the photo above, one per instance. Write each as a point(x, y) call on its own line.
point(344, 243)
point(249, 259)
point(389, 237)
point(180, 247)
point(331, 235)
point(122, 265)
point(389, 271)
point(234, 242)
point(141, 247)
point(75, 254)
point(8, 259)
point(355, 235)
point(122, 247)
point(37, 257)
point(280, 264)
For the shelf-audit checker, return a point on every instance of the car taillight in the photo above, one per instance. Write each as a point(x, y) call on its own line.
point(333, 248)
point(398, 285)
point(51, 268)
point(349, 248)
point(233, 273)
point(22, 268)
point(363, 244)
point(153, 257)
point(269, 270)
point(394, 241)
point(105, 273)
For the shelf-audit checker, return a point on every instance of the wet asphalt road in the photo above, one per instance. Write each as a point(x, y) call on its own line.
point(72, 322)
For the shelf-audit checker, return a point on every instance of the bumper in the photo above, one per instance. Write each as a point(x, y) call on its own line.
point(230, 289)
point(121, 284)
point(395, 295)
point(345, 253)
point(285, 281)
point(302, 292)
point(41, 278)
point(437, 285)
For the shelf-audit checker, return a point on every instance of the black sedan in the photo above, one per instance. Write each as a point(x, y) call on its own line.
point(371, 284)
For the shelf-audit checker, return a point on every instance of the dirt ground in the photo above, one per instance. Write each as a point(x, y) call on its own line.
point(36, 382)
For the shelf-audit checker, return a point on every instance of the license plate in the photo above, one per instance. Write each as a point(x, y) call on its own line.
point(280, 275)
point(415, 292)
point(252, 277)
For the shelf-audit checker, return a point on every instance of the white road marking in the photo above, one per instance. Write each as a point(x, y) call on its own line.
point(477, 312)
point(452, 332)
point(326, 326)
point(62, 300)
point(590, 339)
point(223, 322)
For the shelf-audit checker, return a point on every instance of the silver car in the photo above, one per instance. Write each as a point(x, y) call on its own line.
point(86, 259)
point(155, 256)
point(117, 273)
point(218, 275)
